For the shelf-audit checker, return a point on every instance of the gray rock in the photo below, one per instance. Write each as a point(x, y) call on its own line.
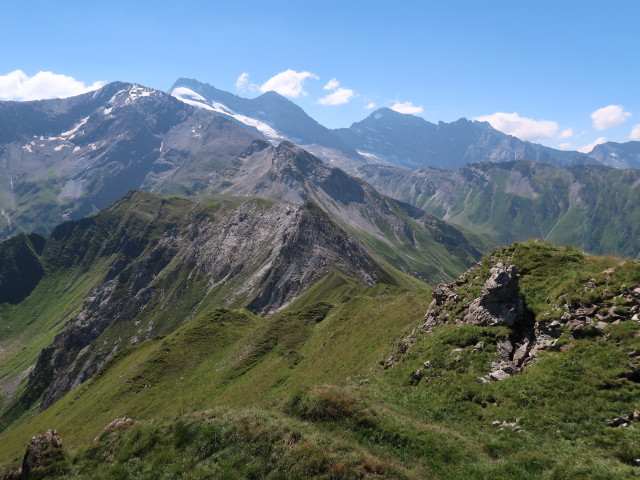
point(500, 303)
point(43, 450)
point(499, 375)
point(443, 292)
point(505, 348)
point(521, 354)
point(502, 284)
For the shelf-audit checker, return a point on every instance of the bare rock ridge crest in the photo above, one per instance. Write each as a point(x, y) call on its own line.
point(256, 254)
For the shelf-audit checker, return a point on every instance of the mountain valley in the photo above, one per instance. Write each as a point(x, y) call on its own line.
point(199, 285)
point(591, 207)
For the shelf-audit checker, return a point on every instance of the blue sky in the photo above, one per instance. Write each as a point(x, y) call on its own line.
point(557, 62)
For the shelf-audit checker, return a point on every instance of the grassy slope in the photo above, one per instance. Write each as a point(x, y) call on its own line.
point(428, 258)
point(26, 328)
point(229, 357)
point(280, 419)
point(594, 208)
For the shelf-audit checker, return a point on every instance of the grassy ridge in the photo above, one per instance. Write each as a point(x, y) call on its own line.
point(234, 358)
point(303, 394)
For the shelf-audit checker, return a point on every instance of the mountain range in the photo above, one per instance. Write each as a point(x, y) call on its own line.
point(592, 207)
point(90, 150)
point(198, 285)
point(389, 137)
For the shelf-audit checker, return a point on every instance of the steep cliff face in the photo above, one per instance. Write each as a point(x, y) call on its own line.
point(163, 258)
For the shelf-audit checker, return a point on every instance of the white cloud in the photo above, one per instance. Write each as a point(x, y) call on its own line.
point(407, 108)
point(635, 133)
point(338, 97)
point(566, 133)
point(288, 83)
point(243, 81)
point(332, 84)
point(369, 106)
point(609, 117)
point(589, 147)
point(565, 146)
point(522, 127)
point(17, 85)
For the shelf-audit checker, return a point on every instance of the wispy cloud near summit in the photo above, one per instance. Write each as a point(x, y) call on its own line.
point(288, 83)
point(17, 85)
point(522, 127)
point(407, 108)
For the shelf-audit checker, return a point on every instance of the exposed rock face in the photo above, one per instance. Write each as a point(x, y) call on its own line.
point(256, 255)
point(43, 450)
point(287, 172)
point(500, 302)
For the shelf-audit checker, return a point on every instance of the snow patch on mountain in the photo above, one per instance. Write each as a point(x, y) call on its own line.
point(190, 97)
point(71, 133)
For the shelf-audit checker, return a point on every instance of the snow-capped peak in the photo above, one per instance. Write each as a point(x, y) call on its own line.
point(190, 97)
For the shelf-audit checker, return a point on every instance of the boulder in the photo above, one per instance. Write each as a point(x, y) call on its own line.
point(443, 292)
point(43, 450)
point(500, 303)
point(502, 284)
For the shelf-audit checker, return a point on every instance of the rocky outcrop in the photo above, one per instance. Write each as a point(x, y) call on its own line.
point(489, 296)
point(499, 304)
point(43, 450)
point(624, 420)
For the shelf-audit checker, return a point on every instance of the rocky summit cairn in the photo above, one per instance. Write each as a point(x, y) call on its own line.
point(43, 450)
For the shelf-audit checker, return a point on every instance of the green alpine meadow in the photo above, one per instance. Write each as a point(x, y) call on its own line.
point(349, 380)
